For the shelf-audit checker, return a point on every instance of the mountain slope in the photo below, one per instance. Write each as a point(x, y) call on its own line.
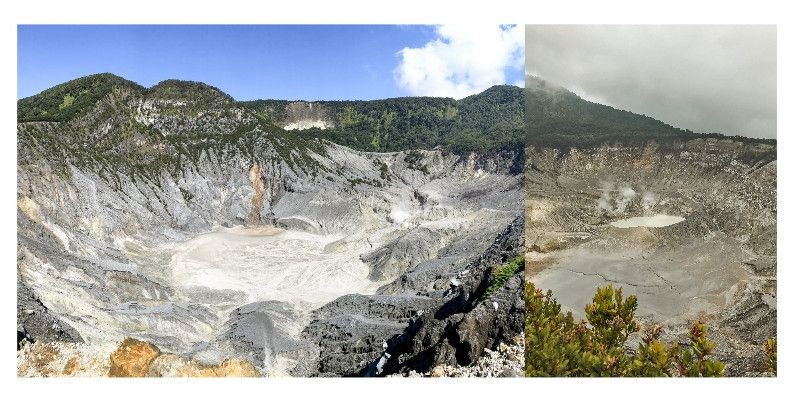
point(177, 216)
point(488, 121)
point(67, 100)
point(556, 117)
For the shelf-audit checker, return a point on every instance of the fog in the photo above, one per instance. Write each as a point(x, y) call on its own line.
point(707, 78)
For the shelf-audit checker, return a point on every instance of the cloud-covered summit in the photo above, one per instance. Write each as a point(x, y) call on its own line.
point(706, 78)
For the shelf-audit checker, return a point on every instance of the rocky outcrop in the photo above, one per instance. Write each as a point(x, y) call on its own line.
point(172, 366)
point(507, 361)
point(460, 327)
point(58, 359)
point(257, 202)
point(132, 359)
point(451, 324)
point(302, 115)
point(35, 323)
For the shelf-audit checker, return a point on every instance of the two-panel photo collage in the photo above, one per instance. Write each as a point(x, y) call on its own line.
point(396, 201)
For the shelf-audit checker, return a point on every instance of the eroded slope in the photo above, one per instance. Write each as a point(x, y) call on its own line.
point(175, 216)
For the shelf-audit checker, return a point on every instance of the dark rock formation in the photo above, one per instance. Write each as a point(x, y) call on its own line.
point(384, 334)
point(35, 323)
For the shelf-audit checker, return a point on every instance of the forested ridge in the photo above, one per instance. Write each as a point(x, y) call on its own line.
point(556, 117)
point(490, 121)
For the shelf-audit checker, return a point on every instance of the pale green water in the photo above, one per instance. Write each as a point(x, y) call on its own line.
point(655, 221)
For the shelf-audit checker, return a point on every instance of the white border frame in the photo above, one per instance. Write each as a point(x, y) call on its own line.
point(414, 12)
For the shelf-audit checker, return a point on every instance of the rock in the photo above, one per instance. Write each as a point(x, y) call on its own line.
point(508, 373)
point(236, 368)
point(457, 331)
point(36, 323)
point(505, 362)
point(132, 359)
point(350, 332)
point(56, 359)
point(503, 348)
point(170, 365)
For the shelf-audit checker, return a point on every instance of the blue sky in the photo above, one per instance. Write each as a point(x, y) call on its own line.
point(280, 62)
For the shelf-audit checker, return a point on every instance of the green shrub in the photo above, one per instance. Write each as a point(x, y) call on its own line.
point(414, 160)
point(557, 345)
point(771, 348)
point(502, 273)
point(696, 360)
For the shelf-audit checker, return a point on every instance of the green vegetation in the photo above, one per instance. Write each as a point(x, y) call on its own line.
point(382, 168)
point(196, 123)
point(360, 181)
point(491, 121)
point(187, 195)
point(557, 345)
point(414, 160)
point(771, 350)
point(486, 122)
point(192, 122)
point(70, 99)
point(201, 96)
point(76, 97)
point(502, 273)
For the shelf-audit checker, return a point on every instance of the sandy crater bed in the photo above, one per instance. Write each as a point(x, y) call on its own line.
point(305, 269)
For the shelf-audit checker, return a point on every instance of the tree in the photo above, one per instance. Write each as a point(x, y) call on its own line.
point(557, 345)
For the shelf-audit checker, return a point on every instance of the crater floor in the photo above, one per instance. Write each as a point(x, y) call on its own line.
point(690, 232)
point(305, 269)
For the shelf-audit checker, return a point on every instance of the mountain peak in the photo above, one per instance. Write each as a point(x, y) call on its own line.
point(195, 92)
point(538, 85)
point(558, 117)
point(498, 91)
point(66, 100)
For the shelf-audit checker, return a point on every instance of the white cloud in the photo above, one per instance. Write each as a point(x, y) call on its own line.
point(707, 78)
point(461, 61)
